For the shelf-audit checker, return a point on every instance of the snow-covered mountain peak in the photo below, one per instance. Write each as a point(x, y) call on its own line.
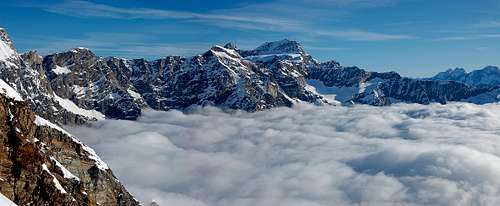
point(451, 74)
point(284, 46)
point(489, 75)
point(231, 45)
point(79, 49)
point(491, 69)
point(456, 71)
point(332, 64)
point(280, 47)
point(6, 46)
point(223, 51)
point(5, 38)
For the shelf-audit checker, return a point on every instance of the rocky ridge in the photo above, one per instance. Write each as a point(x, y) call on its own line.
point(41, 164)
point(76, 86)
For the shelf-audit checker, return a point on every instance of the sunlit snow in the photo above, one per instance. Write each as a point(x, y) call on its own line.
point(61, 70)
point(4, 201)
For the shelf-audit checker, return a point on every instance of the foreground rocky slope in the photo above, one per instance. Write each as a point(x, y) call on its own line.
point(41, 164)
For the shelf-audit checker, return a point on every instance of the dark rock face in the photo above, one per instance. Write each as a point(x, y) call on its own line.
point(25, 73)
point(40, 164)
point(416, 91)
point(87, 80)
point(332, 74)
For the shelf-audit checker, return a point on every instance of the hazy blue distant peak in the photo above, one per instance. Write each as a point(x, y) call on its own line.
point(489, 75)
point(451, 74)
point(490, 68)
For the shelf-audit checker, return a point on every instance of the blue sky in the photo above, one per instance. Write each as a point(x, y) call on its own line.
point(413, 37)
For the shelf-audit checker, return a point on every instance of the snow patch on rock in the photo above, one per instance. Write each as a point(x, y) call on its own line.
point(332, 94)
point(9, 91)
point(4, 201)
point(73, 108)
point(5, 51)
point(134, 94)
point(54, 180)
point(61, 70)
point(92, 154)
point(67, 174)
point(43, 122)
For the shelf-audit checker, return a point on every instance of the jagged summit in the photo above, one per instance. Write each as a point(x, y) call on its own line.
point(284, 46)
point(332, 64)
point(222, 51)
point(231, 45)
point(7, 49)
point(5, 38)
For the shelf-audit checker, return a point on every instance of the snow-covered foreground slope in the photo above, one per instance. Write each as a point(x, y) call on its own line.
point(405, 154)
point(4, 201)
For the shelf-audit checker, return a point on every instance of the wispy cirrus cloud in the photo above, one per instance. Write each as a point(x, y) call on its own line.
point(121, 44)
point(81, 8)
point(278, 16)
point(488, 24)
point(468, 37)
point(358, 35)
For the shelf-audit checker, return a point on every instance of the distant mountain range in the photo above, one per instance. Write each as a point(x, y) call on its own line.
point(76, 86)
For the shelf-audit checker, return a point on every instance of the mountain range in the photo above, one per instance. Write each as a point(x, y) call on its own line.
point(41, 163)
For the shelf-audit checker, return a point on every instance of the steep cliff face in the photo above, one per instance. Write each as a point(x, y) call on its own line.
point(219, 77)
point(79, 76)
point(41, 164)
point(27, 76)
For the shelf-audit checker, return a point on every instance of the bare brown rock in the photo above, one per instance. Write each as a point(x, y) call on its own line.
point(40, 164)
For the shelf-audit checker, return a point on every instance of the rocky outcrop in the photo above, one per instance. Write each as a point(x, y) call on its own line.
point(41, 164)
point(27, 76)
point(86, 80)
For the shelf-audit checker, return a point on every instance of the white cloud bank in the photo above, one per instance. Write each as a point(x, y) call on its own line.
point(398, 155)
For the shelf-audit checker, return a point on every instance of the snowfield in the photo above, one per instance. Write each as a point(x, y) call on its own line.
point(405, 154)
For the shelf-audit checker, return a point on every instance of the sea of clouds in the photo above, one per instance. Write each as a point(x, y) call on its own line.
point(406, 154)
